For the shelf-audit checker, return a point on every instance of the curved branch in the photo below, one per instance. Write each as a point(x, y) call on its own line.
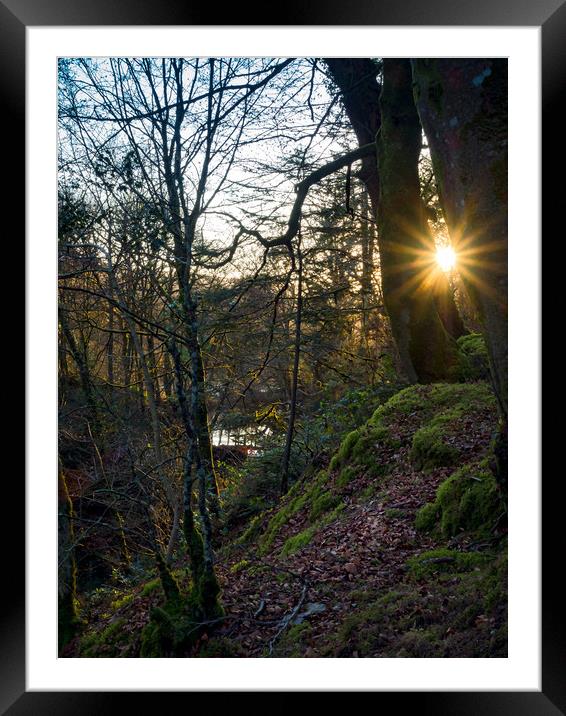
point(302, 189)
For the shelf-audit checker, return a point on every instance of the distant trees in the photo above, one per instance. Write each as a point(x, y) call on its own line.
point(150, 157)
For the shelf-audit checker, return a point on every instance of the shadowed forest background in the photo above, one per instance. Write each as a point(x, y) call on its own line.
point(282, 357)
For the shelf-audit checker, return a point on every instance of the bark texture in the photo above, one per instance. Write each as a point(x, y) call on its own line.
point(463, 108)
point(428, 353)
point(422, 343)
point(356, 80)
point(67, 582)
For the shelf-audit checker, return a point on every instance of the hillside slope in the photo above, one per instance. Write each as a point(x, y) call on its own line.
point(397, 548)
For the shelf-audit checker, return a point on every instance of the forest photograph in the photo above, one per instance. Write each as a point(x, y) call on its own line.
point(282, 357)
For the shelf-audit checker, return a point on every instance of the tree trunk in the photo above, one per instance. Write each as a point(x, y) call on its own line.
point(446, 306)
point(366, 282)
point(126, 356)
point(284, 486)
point(110, 309)
point(463, 109)
point(356, 79)
point(167, 375)
point(201, 423)
point(110, 346)
point(67, 583)
point(152, 365)
point(83, 369)
point(199, 544)
point(425, 350)
point(407, 249)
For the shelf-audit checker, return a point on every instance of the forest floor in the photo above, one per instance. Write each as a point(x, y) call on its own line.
point(352, 563)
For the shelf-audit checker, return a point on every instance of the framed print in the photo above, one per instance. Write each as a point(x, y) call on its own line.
point(69, 77)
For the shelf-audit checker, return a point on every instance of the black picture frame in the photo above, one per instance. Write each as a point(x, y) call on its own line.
point(550, 16)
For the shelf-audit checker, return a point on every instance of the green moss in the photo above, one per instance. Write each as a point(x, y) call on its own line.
point(334, 463)
point(162, 636)
point(297, 631)
point(448, 404)
point(345, 450)
point(347, 474)
point(150, 587)
point(122, 601)
point(298, 541)
point(408, 400)
point(429, 448)
point(421, 643)
point(168, 581)
point(474, 361)
point(280, 518)
point(105, 642)
point(370, 491)
point(427, 517)
point(463, 614)
point(481, 504)
point(472, 343)
point(323, 503)
point(395, 513)
point(176, 626)
point(292, 643)
point(437, 407)
point(302, 539)
point(205, 597)
point(356, 624)
point(195, 548)
point(445, 560)
point(426, 401)
point(469, 500)
point(239, 566)
point(370, 440)
point(495, 582)
point(361, 596)
point(219, 648)
point(251, 531)
point(313, 491)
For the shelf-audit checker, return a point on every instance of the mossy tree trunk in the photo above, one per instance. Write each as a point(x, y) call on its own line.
point(205, 589)
point(463, 109)
point(428, 353)
point(177, 625)
point(284, 484)
point(67, 583)
point(199, 409)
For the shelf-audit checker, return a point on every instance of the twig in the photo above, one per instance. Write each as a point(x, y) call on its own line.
point(289, 617)
point(260, 609)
